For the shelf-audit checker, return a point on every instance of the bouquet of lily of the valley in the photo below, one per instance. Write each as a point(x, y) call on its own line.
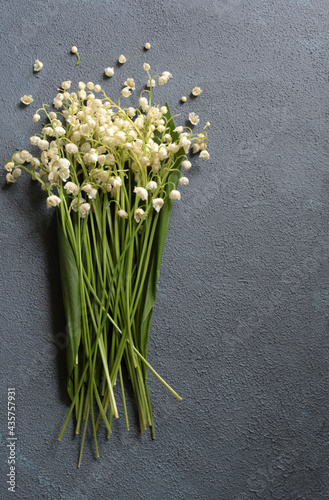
point(112, 172)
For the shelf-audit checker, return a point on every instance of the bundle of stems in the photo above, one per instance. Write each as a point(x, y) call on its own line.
point(127, 161)
point(109, 270)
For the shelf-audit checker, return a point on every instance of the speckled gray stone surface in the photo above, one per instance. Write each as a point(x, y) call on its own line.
point(240, 326)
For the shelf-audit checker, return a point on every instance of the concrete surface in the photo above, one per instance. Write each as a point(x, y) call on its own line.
point(240, 326)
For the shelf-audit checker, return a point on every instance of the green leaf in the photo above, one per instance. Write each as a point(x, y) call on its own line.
point(158, 245)
point(72, 302)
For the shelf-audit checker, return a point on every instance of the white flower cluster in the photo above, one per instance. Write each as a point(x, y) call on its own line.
point(93, 146)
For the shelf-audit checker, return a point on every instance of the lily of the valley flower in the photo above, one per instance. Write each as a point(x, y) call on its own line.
point(126, 92)
point(10, 178)
point(175, 195)
point(196, 91)
point(71, 148)
point(37, 66)
point(123, 214)
point(151, 186)
point(84, 210)
point(157, 204)
point(194, 118)
point(53, 201)
point(71, 188)
point(141, 193)
point(27, 99)
point(205, 155)
point(184, 181)
point(138, 214)
point(109, 71)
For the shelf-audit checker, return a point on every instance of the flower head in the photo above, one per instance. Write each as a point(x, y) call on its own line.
point(130, 82)
point(141, 193)
point(123, 214)
point(9, 166)
point(109, 71)
point(27, 99)
point(151, 186)
point(138, 214)
point(53, 201)
point(183, 98)
point(194, 119)
point(71, 188)
point(84, 210)
point(122, 59)
point(147, 46)
point(186, 164)
point(175, 195)
point(37, 66)
point(71, 148)
point(183, 181)
point(126, 92)
point(74, 49)
point(196, 91)
point(157, 204)
point(204, 154)
point(10, 178)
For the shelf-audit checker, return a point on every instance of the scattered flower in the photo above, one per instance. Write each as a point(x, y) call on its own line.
point(27, 99)
point(122, 59)
point(109, 71)
point(37, 66)
point(146, 66)
point(183, 98)
point(194, 119)
point(74, 50)
point(147, 46)
point(196, 91)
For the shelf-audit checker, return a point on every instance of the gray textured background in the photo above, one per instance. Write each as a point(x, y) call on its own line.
point(241, 322)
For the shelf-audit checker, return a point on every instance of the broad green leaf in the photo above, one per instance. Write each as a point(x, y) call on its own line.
point(72, 302)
